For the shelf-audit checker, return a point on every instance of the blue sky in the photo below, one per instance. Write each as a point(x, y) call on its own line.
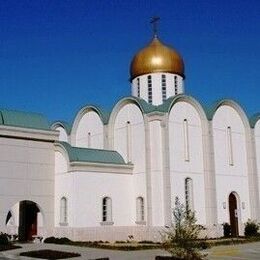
point(56, 56)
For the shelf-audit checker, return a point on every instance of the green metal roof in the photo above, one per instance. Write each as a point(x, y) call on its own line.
point(23, 119)
point(77, 154)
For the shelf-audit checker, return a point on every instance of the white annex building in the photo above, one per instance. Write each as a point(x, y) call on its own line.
point(111, 175)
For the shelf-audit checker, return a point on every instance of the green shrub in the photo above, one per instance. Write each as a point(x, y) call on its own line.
point(4, 239)
point(251, 228)
point(180, 239)
point(62, 240)
point(226, 229)
point(56, 240)
point(50, 240)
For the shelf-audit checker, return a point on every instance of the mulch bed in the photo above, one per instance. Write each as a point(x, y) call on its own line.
point(8, 247)
point(49, 254)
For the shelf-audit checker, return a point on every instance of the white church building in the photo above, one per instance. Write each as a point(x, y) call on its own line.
point(111, 175)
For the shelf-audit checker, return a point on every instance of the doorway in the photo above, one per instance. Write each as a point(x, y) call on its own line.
point(233, 214)
point(28, 212)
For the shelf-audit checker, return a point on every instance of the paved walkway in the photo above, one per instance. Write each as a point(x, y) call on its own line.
point(86, 253)
point(239, 252)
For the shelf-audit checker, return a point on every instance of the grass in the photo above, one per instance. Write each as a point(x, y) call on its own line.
point(8, 247)
point(49, 254)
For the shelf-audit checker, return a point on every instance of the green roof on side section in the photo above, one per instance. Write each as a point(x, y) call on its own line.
point(77, 154)
point(23, 119)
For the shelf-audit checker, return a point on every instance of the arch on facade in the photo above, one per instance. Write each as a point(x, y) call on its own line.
point(141, 104)
point(234, 213)
point(254, 119)
point(25, 219)
point(190, 100)
point(66, 126)
point(228, 102)
point(103, 116)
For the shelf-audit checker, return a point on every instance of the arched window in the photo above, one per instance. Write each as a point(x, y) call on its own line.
point(129, 141)
point(186, 140)
point(230, 146)
point(150, 90)
point(138, 87)
point(89, 140)
point(175, 85)
point(107, 209)
point(163, 83)
point(189, 194)
point(139, 209)
point(63, 211)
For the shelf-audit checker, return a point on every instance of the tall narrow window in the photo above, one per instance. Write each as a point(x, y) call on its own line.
point(107, 209)
point(150, 90)
point(175, 85)
point(129, 141)
point(63, 211)
point(139, 209)
point(89, 140)
point(189, 194)
point(230, 146)
point(163, 83)
point(138, 87)
point(186, 140)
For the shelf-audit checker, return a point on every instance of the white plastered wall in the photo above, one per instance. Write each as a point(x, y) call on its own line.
point(193, 167)
point(63, 136)
point(84, 192)
point(230, 178)
point(130, 112)
point(89, 123)
point(26, 173)
point(257, 150)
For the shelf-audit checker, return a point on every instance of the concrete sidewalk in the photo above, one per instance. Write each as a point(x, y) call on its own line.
point(86, 253)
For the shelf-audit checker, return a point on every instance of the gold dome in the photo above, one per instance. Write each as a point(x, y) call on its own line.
point(156, 57)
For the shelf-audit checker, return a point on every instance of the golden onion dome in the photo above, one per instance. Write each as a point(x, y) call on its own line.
point(156, 57)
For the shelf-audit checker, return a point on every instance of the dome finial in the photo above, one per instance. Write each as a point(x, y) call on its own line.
point(154, 21)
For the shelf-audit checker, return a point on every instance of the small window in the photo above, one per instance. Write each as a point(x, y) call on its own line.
point(107, 209)
point(63, 211)
point(89, 140)
point(186, 140)
point(139, 209)
point(189, 194)
point(150, 90)
point(138, 87)
point(230, 146)
point(128, 141)
point(163, 83)
point(176, 85)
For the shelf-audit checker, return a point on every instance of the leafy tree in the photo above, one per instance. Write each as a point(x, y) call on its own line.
point(181, 237)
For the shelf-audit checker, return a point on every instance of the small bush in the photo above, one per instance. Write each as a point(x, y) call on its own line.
point(226, 229)
point(56, 240)
point(120, 242)
point(146, 242)
point(251, 228)
point(4, 239)
point(50, 240)
point(62, 240)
